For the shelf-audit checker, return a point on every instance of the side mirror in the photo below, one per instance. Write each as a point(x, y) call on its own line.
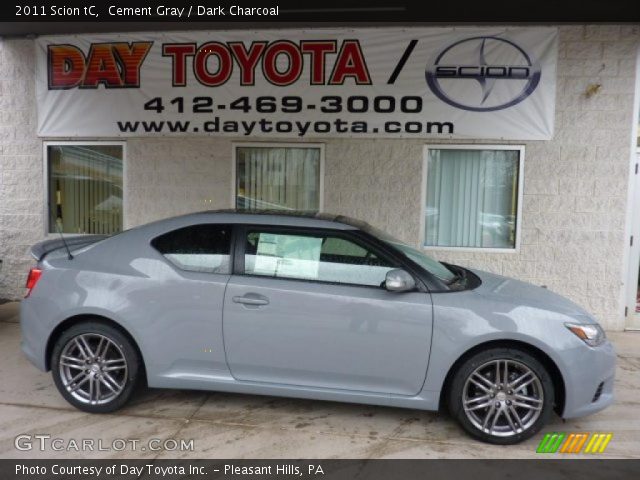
point(398, 280)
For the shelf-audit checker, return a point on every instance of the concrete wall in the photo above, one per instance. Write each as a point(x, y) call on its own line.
point(575, 186)
point(21, 181)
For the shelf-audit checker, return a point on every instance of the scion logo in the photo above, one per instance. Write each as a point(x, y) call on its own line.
point(483, 74)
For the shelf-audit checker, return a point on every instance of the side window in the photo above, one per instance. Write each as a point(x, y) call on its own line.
point(197, 248)
point(324, 258)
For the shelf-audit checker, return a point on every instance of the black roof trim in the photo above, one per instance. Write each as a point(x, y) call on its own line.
point(329, 217)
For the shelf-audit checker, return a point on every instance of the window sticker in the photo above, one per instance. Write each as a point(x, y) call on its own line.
point(288, 256)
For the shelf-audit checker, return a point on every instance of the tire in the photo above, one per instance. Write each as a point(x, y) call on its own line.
point(488, 401)
point(95, 367)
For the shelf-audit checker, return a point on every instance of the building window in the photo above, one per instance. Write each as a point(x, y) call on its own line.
point(85, 188)
point(473, 196)
point(277, 177)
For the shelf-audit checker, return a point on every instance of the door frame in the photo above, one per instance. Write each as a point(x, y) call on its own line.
point(632, 250)
point(631, 256)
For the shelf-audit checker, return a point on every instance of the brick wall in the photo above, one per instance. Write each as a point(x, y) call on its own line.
point(575, 185)
point(21, 182)
point(167, 177)
point(575, 188)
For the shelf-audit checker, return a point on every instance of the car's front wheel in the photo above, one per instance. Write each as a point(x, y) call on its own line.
point(95, 367)
point(502, 395)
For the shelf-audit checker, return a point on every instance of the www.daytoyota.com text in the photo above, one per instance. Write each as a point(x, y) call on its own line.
point(284, 108)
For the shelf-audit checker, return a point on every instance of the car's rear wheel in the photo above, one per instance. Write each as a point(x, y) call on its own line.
point(502, 395)
point(95, 367)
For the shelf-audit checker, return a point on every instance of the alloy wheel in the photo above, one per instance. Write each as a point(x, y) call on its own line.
point(503, 397)
point(93, 368)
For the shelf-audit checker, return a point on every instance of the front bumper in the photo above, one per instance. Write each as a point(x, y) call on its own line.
point(589, 368)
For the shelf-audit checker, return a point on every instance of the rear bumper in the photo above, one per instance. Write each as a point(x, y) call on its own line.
point(590, 367)
point(35, 334)
point(34, 358)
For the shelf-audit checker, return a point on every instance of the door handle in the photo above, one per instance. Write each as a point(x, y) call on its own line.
point(251, 300)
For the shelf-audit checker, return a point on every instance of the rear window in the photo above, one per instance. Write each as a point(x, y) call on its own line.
point(197, 248)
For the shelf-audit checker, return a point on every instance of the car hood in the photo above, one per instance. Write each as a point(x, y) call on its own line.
point(503, 289)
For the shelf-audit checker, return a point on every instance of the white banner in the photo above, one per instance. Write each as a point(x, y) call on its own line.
point(485, 83)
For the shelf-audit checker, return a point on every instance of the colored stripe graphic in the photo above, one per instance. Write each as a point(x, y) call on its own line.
point(598, 443)
point(569, 443)
point(606, 442)
point(550, 443)
point(581, 443)
point(572, 443)
point(543, 443)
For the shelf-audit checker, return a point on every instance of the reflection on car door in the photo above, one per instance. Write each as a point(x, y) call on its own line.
point(310, 311)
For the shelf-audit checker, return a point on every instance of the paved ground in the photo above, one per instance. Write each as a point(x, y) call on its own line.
point(242, 426)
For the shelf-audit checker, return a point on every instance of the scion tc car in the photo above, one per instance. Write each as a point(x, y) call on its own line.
point(308, 306)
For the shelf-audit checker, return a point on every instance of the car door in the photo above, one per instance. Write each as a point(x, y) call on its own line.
point(307, 308)
point(179, 296)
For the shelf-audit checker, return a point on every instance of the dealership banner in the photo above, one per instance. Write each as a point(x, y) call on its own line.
point(481, 83)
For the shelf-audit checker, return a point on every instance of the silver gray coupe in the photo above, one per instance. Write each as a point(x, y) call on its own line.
point(309, 306)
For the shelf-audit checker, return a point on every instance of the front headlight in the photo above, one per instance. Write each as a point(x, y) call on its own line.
point(592, 334)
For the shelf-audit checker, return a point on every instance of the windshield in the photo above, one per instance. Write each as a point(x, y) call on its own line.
point(425, 261)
